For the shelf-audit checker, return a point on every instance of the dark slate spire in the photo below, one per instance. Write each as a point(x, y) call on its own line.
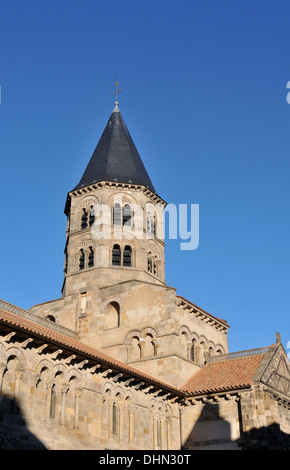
point(116, 158)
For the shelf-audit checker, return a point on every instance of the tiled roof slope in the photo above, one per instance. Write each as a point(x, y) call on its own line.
point(61, 340)
point(227, 374)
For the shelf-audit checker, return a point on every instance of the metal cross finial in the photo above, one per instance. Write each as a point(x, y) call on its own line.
point(116, 92)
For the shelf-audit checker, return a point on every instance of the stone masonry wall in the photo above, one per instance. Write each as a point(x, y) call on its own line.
point(211, 424)
point(55, 403)
point(265, 420)
point(136, 321)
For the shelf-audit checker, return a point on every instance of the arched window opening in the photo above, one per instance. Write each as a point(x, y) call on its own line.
point(149, 346)
point(148, 221)
point(151, 223)
point(150, 265)
point(84, 222)
point(194, 351)
point(82, 260)
point(112, 315)
point(116, 255)
point(127, 215)
point(135, 349)
point(83, 302)
point(117, 214)
point(92, 216)
point(127, 256)
point(91, 257)
point(51, 318)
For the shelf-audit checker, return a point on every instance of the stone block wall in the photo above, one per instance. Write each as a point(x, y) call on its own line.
point(211, 424)
point(265, 420)
point(52, 402)
point(135, 321)
point(252, 419)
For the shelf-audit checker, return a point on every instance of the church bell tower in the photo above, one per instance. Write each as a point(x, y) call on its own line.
point(114, 293)
point(114, 218)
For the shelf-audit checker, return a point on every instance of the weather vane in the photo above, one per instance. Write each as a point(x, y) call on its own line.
point(116, 92)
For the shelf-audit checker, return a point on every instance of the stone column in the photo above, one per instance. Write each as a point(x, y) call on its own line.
point(188, 350)
point(2, 373)
point(18, 375)
point(128, 347)
point(110, 413)
point(49, 386)
point(131, 426)
point(77, 407)
point(155, 441)
point(197, 354)
point(120, 423)
point(105, 422)
point(64, 390)
point(142, 345)
point(162, 434)
point(168, 433)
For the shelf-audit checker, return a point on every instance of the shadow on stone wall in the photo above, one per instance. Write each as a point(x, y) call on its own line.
point(212, 432)
point(14, 434)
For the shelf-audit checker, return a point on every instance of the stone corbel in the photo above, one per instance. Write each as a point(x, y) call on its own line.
point(55, 354)
point(139, 385)
point(26, 342)
point(81, 364)
point(41, 348)
point(94, 368)
point(128, 381)
point(69, 359)
point(106, 372)
point(9, 336)
point(165, 397)
point(117, 377)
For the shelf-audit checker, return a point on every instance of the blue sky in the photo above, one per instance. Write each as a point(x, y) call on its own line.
point(205, 102)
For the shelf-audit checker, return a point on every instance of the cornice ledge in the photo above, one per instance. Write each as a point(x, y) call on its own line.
point(198, 312)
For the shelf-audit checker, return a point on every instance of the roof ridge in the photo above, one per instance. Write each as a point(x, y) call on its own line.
point(37, 319)
point(238, 354)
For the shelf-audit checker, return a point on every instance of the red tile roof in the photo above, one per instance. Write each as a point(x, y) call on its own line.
point(227, 374)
